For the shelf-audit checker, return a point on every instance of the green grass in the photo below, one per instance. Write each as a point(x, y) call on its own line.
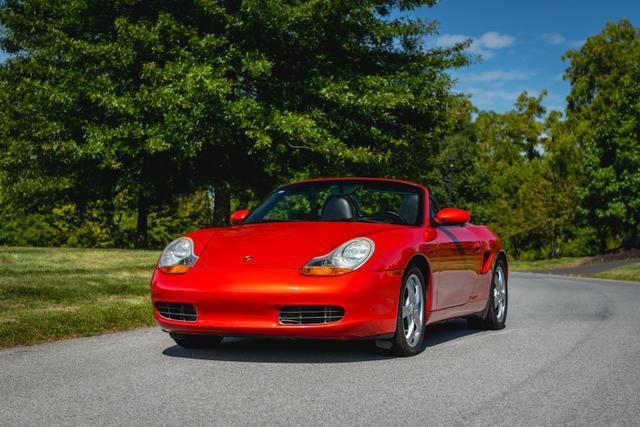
point(53, 293)
point(546, 263)
point(626, 272)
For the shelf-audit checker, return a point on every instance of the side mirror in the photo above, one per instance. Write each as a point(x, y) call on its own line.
point(238, 216)
point(453, 216)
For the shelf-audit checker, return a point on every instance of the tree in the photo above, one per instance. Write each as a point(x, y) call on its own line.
point(604, 111)
point(517, 158)
point(460, 179)
point(153, 99)
point(562, 174)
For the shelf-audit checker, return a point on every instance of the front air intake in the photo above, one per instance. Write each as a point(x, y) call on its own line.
point(177, 311)
point(310, 314)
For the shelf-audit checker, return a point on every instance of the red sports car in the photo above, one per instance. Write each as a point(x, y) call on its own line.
point(346, 258)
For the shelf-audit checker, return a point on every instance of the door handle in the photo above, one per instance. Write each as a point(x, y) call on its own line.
point(476, 247)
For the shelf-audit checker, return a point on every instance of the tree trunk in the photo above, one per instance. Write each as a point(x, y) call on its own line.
point(109, 217)
point(602, 237)
point(631, 241)
point(221, 203)
point(142, 224)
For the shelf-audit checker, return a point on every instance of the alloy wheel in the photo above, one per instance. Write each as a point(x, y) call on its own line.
point(413, 310)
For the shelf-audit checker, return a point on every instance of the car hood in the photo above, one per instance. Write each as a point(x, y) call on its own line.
point(280, 244)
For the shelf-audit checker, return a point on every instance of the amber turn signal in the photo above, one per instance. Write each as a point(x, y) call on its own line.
point(324, 271)
point(175, 269)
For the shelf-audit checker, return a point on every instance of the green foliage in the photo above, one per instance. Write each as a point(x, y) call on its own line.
point(158, 99)
point(604, 111)
point(127, 123)
point(581, 241)
point(504, 171)
point(64, 225)
point(517, 172)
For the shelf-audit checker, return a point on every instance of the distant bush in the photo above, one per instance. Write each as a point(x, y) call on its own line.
point(94, 227)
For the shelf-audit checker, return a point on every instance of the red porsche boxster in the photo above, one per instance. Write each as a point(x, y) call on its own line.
point(344, 258)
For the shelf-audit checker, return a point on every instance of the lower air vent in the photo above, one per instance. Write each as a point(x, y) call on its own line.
point(177, 311)
point(310, 314)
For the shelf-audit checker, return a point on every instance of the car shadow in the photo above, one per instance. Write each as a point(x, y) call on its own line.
point(279, 350)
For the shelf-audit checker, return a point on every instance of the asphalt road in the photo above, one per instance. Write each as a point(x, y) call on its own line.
point(570, 354)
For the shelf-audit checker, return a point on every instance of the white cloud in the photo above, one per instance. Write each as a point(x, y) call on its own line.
point(494, 76)
point(450, 40)
point(483, 45)
point(484, 53)
point(553, 38)
point(495, 40)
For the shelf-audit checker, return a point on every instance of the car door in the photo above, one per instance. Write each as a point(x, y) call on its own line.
point(458, 263)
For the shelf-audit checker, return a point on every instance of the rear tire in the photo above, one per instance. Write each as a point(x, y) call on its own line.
point(411, 320)
point(494, 315)
point(196, 341)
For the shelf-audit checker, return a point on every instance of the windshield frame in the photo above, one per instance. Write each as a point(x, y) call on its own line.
point(400, 185)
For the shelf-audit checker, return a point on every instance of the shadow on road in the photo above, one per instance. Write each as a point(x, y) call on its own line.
point(274, 350)
point(449, 331)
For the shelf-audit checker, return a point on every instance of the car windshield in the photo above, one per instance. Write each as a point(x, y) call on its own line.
point(343, 200)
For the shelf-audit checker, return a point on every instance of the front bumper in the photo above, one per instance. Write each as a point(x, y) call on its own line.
point(236, 302)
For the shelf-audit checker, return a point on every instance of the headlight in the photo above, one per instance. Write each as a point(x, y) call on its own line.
point(178, 256)
point(345, 258)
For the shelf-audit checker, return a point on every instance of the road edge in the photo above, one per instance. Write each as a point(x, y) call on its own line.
point(572, 277)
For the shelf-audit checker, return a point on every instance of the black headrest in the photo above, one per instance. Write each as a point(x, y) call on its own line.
point(338, 207)
point(409, 208)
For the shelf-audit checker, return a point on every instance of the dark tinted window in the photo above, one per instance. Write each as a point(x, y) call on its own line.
point(343, 200)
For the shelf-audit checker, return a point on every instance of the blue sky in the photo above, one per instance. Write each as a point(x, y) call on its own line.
point(522, 43)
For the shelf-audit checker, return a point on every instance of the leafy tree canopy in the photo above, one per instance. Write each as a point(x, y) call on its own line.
point(604, 111)
point(127, 122)
point(155, 98)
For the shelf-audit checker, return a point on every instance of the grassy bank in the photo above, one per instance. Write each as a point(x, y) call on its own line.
point(626, 272)
point(545, 264)
point(52, 293)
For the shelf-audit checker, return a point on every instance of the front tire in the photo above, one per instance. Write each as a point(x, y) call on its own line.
point(495, 314)
point(411, 321)
point(196, 341)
